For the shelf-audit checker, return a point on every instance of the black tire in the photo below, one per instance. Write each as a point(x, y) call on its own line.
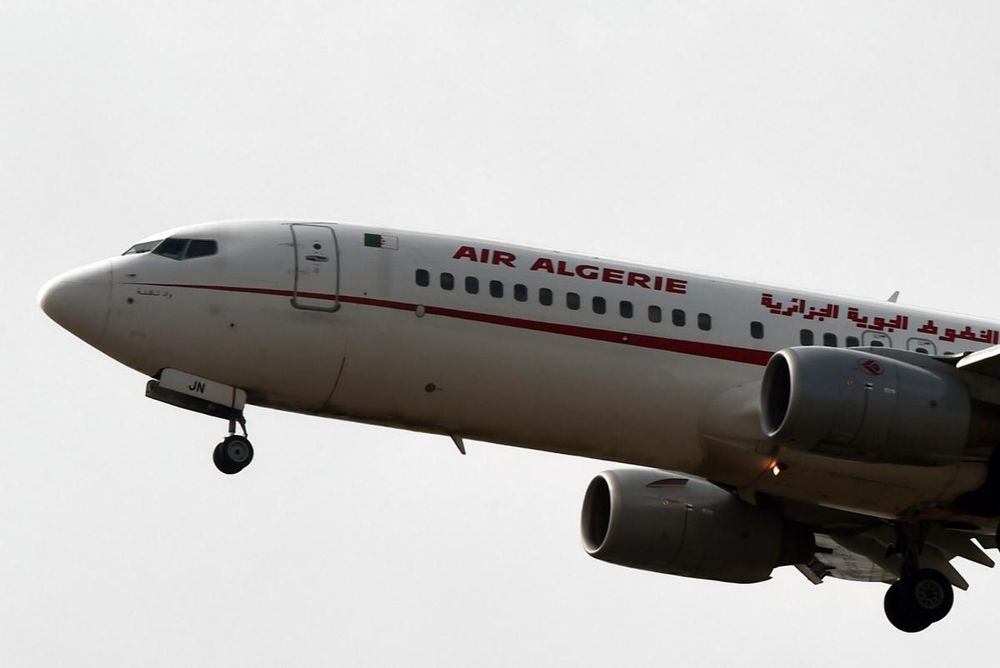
point(900, 610)
point(232, 455)
point(930, 593)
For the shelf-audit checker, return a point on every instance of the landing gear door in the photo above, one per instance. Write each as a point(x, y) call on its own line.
point(317, 268)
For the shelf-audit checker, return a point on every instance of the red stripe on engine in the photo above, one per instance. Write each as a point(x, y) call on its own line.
point(696, 348)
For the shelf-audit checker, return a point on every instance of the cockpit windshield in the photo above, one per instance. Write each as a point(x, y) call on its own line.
point(143, 247)
point(176, 249)
point(186, 249)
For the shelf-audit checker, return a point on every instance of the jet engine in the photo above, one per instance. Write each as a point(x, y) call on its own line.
point(668, 523)
point(858, 405)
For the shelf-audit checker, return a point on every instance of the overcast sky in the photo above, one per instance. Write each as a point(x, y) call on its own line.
point(848, 147)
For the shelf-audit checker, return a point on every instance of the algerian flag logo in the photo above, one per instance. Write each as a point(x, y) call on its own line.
point(381, 241)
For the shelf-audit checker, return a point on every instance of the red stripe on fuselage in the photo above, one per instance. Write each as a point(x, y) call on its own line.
point(697, 348)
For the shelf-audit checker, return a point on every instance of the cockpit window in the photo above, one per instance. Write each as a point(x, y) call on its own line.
point(172, 248)
point(185, 249)
point(201, 248)
point(144, 247)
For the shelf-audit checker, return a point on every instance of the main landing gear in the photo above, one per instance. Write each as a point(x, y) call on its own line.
point(235, 452)
point(919, 599)
point(922, 596)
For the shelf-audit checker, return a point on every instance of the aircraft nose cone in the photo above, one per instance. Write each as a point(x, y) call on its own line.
point(80, 300)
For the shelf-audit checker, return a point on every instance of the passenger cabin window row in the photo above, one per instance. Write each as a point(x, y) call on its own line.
point(599, 305)
point(573, 301)
point(187, 248)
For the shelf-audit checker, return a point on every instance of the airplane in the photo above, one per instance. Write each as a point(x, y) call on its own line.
point(848, 438)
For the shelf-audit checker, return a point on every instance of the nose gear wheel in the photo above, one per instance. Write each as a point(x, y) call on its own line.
point(233, 455)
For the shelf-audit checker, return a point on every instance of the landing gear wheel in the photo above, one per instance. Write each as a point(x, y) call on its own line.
point(931, 592)
point(918, 600)
point(904, 617)
point(233, 455)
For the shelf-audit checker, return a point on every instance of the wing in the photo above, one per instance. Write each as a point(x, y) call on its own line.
point(985, 362)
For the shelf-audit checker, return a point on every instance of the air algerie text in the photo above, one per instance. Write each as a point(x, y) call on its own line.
point(590, 272)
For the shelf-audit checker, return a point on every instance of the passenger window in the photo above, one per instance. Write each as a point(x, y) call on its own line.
point(423, 278)
point(830, 340)
point(496, 289)
point(852, 342)
point(877, 344)
point(572, 301)
point(923, 351)
point(472, 285)
point(201, 248)
point(678, 317)
point(655, 314)
point(172, 248)
point(600, 305)
point(704, 322)
point(625, 309)
point(545, 296)
point(806, 337)
point(757, 329)
point(520, 292)
point(447, 281)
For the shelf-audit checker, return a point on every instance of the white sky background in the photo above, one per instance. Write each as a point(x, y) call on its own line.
point(849, 147)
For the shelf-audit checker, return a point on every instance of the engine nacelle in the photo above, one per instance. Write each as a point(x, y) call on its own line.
point(857, 405)
point(668, 523)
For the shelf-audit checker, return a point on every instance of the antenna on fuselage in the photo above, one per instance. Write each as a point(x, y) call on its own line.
point(894, 297)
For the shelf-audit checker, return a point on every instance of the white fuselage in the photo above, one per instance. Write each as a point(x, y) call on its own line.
point(383, 326)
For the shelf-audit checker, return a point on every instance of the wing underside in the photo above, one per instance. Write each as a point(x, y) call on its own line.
point(870, 556)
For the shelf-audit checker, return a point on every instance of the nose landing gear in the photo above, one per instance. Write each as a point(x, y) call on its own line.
point(235, 452)
point(208, 397)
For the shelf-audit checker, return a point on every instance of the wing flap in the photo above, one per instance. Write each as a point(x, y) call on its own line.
point(870, 556)
point(959, 545)
point(842, 562)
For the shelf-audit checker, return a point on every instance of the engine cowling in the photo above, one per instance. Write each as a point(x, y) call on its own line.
point(668, 523)
point(857, 405)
